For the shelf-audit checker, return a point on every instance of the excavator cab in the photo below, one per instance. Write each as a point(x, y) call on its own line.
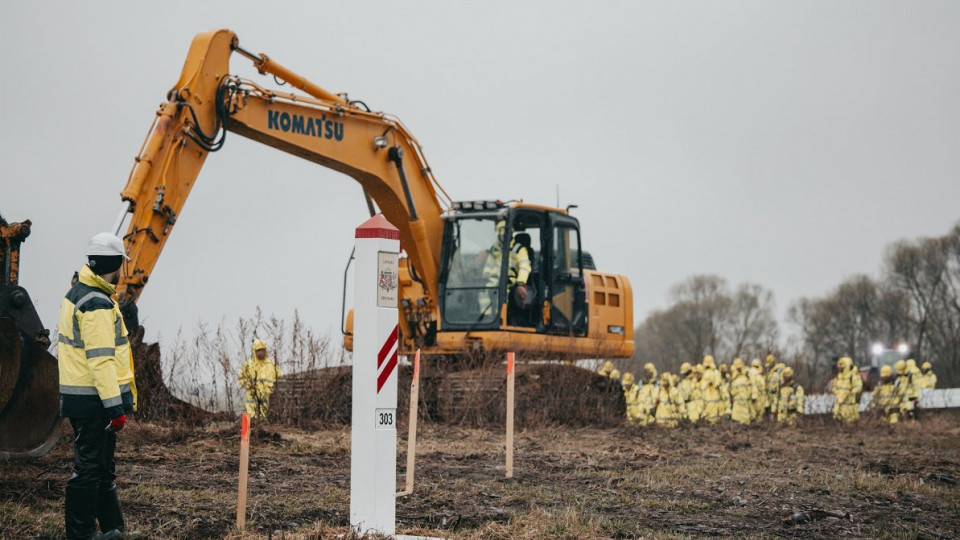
point(491, 249)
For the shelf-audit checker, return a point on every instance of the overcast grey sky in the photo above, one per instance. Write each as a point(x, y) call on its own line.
point(781, 143)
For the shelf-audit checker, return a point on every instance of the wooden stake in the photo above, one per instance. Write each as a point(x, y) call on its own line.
point(412, 433)
point(510, 371)
point(244, 462)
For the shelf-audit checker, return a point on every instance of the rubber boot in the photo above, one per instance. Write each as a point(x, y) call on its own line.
point(80, 512)
point(108, 510)
point(110, 516)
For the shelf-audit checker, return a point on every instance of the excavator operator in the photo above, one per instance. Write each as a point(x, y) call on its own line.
point(521, 292)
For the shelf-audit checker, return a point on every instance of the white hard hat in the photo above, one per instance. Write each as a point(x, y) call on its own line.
point(106, 244)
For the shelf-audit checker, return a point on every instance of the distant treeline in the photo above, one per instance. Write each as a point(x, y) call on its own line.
point(916, 300)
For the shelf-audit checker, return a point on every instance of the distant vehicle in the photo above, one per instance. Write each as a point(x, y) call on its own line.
point(880, 356)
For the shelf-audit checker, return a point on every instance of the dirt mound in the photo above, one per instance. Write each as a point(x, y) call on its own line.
point(546, 394)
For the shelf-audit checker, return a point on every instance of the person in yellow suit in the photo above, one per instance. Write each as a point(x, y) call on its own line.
point(928, 380)
point(686, 380)
point(670, 406)
point(630, 392)
point(773, 380)
point(714, 400)
point(519, 267)
point(646, 401)
point(743, 393)
point(790, 400)
point(693, 399)
point(846, 387)
point(756, 377)
point(257, 377)
point(725, 378)
point(885, 400)
point(906, 389)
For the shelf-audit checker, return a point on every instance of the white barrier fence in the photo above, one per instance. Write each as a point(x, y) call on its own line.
point(945, 398)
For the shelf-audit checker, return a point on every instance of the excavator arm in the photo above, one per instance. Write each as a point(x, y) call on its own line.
point(373, 148)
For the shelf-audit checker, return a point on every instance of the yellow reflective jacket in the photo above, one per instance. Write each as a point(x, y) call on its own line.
point(96, 364)
point(259, 376)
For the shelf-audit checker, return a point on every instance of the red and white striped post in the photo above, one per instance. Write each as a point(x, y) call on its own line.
point(373, 447)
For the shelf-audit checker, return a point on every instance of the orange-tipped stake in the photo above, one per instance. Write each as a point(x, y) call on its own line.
point(412, 433)
point(244, 462)
point(510, 373)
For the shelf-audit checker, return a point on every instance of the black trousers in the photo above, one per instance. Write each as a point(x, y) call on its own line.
point(93, 449)
point(91, 496)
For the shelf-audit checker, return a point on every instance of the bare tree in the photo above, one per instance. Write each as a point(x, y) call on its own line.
point(927, 272)
point(706, 318)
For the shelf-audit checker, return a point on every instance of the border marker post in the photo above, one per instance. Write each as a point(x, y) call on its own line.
point(373, 447)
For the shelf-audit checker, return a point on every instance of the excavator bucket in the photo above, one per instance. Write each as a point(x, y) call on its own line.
point(29, 375)
point(29, 391)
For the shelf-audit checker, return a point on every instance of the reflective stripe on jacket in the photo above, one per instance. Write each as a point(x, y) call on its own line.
point(96, 364)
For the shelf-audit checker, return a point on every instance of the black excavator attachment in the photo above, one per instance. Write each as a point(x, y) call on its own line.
point(29, 376)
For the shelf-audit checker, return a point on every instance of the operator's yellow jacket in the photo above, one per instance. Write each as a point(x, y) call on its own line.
point(96, 364)
point(257, 377)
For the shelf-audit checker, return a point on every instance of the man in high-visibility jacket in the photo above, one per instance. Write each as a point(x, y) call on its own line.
point(97, 390)
point(257, 377)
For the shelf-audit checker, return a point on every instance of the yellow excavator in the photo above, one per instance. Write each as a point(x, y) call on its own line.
point(455, 292)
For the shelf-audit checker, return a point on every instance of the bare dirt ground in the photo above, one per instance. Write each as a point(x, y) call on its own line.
point(819, 480)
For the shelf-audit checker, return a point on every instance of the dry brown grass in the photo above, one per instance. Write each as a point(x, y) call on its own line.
point(727, 481)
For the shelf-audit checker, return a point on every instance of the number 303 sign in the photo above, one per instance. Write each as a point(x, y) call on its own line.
point(386, 418)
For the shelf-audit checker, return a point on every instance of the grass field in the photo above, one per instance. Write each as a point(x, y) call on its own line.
point(819, 480)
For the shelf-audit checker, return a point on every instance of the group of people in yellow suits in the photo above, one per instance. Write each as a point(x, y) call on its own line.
point(708, 393)
point(746, 394)
point(895, 397)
